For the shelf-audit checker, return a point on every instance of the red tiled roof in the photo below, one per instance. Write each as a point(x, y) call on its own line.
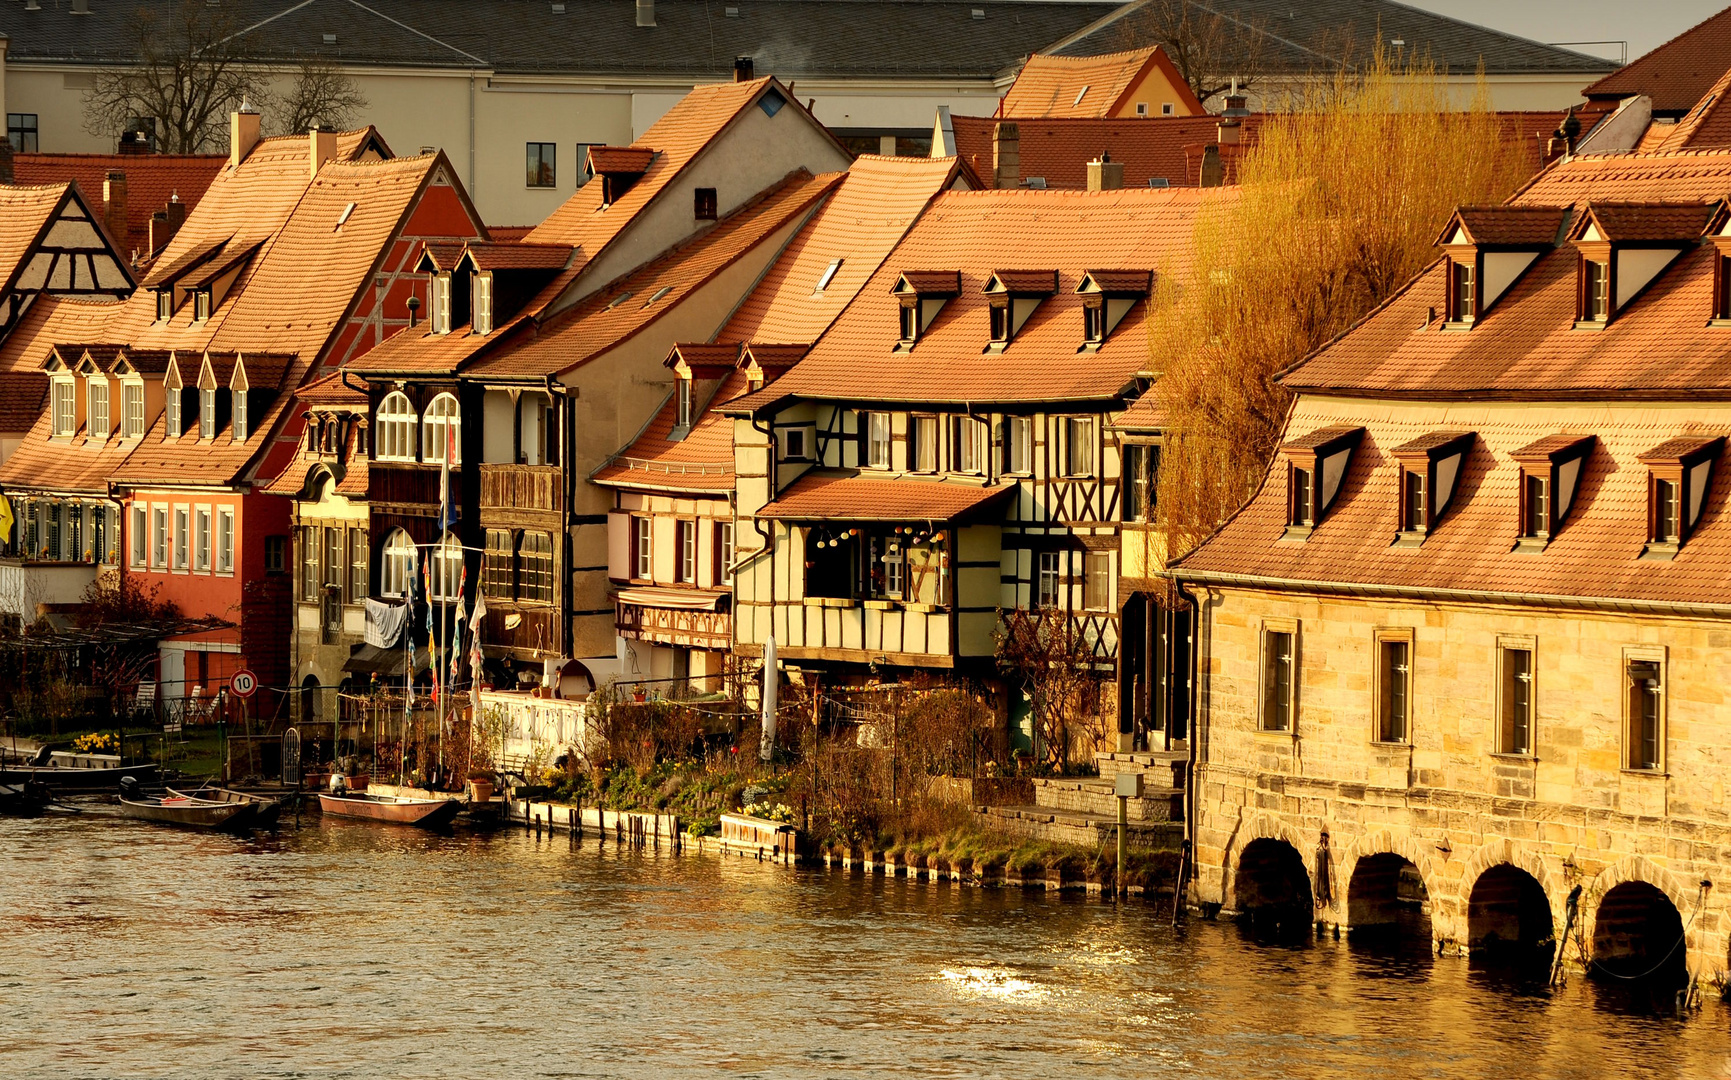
point(1508, 226)
point(1058, 150)
point(509, 234)
point(47, 320)
point(1087, 86)
point(1702, 176)
point(842, 496)
point(1625, 223)
point(496, 256)
point(1144, 414)
point(620, 159)
point(1027, 281)
point(24, 213)
point(1545, 447)
point(1123, 281)
point(700, 462)
point(1594, 555)
point(151, 181)
point(1677, 74)
point(1708, 124)
point(933, 282)
point(333, 391)
point(858, 359)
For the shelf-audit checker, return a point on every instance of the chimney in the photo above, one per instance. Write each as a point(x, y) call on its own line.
point(744, 68)
point(1213, 173)
point(6, 171)
point(1104, 174)
point(645, 12)
point(114, 205)
point(1229, 131)
point(1006, 154)
point(165, 223)
point(242, 134)
point(321, 147)
point(1562, 142)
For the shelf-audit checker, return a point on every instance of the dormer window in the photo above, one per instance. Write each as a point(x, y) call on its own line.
point(1488, 248)
point(1316, 466)
point(201, 305)
point(921, 294)
point(1430, 470)
point(440, 288)
point(207, 414)
point(483, 303)
point(65, 405)
point(176, 424)
point(619, 167)
point(1011, 297)
point(1108, 296)
point(1623, 247)
point(1722, 289)
point(1463, 276)
point(164, 304)
point(682, 405)
point(97, 408)
point(1550, 476)
point(238, 427)
point(1679, 475)
point(132, 410)
point(1596, 290)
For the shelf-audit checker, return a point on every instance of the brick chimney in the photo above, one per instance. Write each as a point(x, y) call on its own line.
point(1229, 131)
point(114, 206)
point(1104, 174)
point(645, 12)
point(744, 69)
point(1006, 154)
point(1213, 172)
point(321, 147)
point(243, 133)
point(166, 222)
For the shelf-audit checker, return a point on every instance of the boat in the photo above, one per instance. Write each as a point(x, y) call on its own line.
point(267, 810)
point(189, 813)
point(23, 799)
point(75, 778)
point(427, 813)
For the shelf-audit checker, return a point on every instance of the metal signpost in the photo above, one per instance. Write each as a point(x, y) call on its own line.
point(242, 683)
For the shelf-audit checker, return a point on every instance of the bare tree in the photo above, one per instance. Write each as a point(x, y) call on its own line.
point(187, 79)
point(1047, 653)
point(321, 96)
point(1209, 49)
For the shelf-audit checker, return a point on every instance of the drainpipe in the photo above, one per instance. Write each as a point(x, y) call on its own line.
point(1193, 743)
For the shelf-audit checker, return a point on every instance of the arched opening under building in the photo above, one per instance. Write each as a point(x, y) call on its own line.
point(1638, 943)
point(312, 701)
point(1509, 919)
point(1272, 889)
point(1386, 896)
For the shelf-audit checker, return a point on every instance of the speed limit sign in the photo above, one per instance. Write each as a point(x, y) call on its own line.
point(243, 682)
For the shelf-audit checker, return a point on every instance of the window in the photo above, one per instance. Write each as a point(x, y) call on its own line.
point(498, 564)
point(1141, 108)
point(1046, 588)
point(1394, 688)
point(724, 552)
point(1141, 483)
point(642, 549)
point(336, 566)
point(1665, 530)
point(923, 443)
point(65, 407)
point(207, 414)
point(106, 542)
point(159, 537)
point(51, 533)
point(1097, 581)
point(482, 319)
point(535, 568)
point(1644, 741)
point(771, 102)
point(201, 305)
point(397, 569)
point(447, 569)
point(1094, 323)
point(1679, 476)
point(1535, 505)
point(1018, 444)
point(877, 427)
point(1463, 288)
point(1515, 727)
point(1412, 514)
point(1279, 678)
point(793, 444)
point(225, 543)
point(439, 292)
point(132, 406)
point(201, 539)
point(682, 404)
point(910, 322)
point(311, 541)
point(182, 521)
point(704, 204)
point(828, 275)
point(98, 408)
point(139, 537)
point(396, 423)
point(1000, 314)
point(358, 552)
point(275, 547)
point(175, 426)
point(540, 169)
point(1079, 446)
point(585, 169)
point(1302, 508)
point(441, 434)
point(685, 552)
point(238, 427)
point(21, 132)
point(1597, 290)
point(895, 570)
point(970, 438)
point(1722, 288)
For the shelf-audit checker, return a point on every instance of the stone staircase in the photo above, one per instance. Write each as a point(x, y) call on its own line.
point(1084, 810)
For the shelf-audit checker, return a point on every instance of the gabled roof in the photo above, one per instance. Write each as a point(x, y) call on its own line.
point(495, 256)
point(1635, 223)
point(151, 181)
point(1507, 226)
point(334, 391)
point(51, 241)
point(1677, 74)
point(1057, 150)
point(1706, 125)
point(1089, 85)
point(47, 320)
point(25, 213)
point(838, 495)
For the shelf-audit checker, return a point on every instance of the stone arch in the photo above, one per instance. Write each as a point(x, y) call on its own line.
point(1254, 827)
point(1640, 870)
point(1384, 842)
point(1501, 850)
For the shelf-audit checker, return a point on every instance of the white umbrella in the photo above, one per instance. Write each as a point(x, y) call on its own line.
point(766, 748)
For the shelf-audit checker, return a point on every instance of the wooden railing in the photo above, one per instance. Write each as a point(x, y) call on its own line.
point(521, 487)
point(674, 626)
point(410, 484)
point(536, 629)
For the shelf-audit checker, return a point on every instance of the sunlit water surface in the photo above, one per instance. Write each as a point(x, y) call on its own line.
point(366, 951)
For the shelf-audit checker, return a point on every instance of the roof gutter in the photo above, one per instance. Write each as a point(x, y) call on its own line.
point(1366, 591)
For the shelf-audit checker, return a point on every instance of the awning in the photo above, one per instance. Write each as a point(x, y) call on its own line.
point(832, 496)
point(367, 659)
point(679, 599)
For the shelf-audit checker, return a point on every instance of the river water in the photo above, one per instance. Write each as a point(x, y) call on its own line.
point(348, 950)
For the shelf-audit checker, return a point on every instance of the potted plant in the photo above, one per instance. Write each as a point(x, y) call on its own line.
point(481, 785)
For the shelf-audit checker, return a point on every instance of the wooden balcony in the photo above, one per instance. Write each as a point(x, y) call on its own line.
point(407, 485)
point(521, 487)
point(690, 627)
point(528, 632)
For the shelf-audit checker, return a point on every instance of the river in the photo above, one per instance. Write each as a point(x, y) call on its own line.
point(361, 951)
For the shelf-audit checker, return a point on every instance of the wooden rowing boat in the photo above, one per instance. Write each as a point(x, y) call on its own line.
point(190, 813)
point(23, 799)
point(76, 779)
point(427, 813)
point(266, 810)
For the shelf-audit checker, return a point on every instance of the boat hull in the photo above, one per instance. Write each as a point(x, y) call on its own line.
point(266, 810)
point(75, 779)
point(427, 813)
point(190, 814)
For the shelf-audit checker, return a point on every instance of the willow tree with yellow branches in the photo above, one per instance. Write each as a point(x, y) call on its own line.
point(1339, 202)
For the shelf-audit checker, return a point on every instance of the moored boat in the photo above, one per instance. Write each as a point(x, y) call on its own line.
point(73, 778)
point(189, 813)
point(266, 810)
point(23, 799)
point(427, 813)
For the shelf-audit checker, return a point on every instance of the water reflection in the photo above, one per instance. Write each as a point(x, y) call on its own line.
point(353, 951)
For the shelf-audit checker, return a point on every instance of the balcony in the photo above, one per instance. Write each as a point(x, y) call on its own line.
point(527, 632)
point(684, 617)
point(522, 487)
point(402, 485)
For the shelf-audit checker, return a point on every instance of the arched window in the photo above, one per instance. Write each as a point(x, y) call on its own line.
point(447, 569)
point(397, 422)
point(397, 565)
point(442, 432)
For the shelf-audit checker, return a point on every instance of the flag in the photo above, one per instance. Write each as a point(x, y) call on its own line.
point(6, 519)
point(457, 628)
point(475, 618)
point(447, 510)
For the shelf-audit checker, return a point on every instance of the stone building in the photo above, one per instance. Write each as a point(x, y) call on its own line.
point(1464, 653)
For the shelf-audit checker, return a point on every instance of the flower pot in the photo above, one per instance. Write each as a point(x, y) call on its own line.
point(480, 790)
point(359, 783)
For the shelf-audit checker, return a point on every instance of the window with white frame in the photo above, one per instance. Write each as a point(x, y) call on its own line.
point(685, 552)
point(225, 541)
point(201, 539)
point(397, 565)
point(724, 552)
point(895, 570)
point(1097, 581)
point(642, 549)
point(132, 404)
point(397, 424)
point(159, 537)
point(483, 304)
point(310, 546)
point(182, 531)
point(207, 414)
point(239, 426)
point(447, 569)
point(877, 425)
point(1049, 579)
point(441, 305)
point(140, 537)
point(923, 443)
point(176, 424)
point(682, 404)
point(358, 552)
point(441, 432)
point(97, 409)
point(65, 407)
point(1078, 446)
point(1017, 451)
point(970, 440)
